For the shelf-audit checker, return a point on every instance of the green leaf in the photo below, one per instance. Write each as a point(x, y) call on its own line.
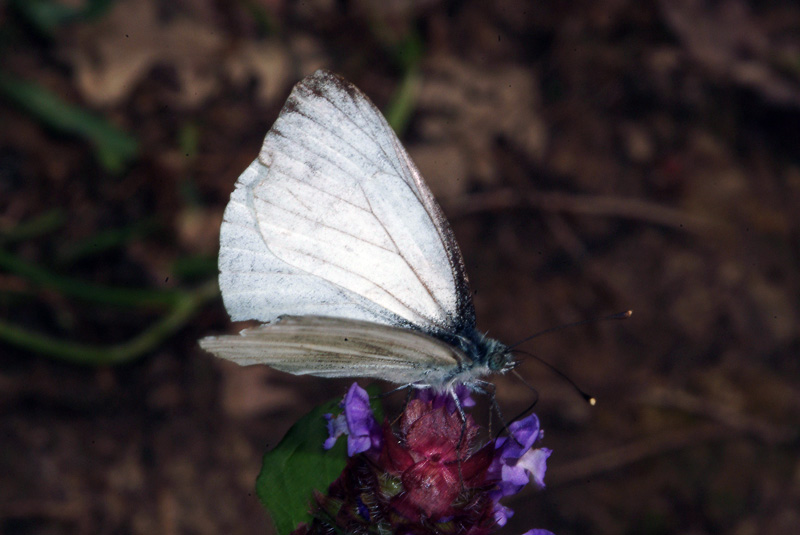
point(299, 465)
point(113, 148)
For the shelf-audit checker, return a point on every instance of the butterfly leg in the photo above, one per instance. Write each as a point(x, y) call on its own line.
point(409, 393)
point(463, 416)
point(489, 389)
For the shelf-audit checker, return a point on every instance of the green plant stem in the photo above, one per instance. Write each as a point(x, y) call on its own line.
point(184, 307)
point(38, 226)
point(404, 100)
point(105, 240)
point(85, 290)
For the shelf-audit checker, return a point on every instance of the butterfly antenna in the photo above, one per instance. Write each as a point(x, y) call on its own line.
point(591, 400)
point(618, 316)
point(521, 414)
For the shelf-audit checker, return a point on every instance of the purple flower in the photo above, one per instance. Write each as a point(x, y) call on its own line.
point(534, 464)
point(426, 472)
point(336, 427)
point(515, 464)
point(502, 514)
point(362, 430)
point(440, 399)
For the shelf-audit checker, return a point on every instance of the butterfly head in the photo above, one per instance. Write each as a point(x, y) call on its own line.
point(488, 353)
point(498, 356)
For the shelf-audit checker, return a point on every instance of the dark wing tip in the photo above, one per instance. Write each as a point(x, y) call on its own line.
point(324, 81)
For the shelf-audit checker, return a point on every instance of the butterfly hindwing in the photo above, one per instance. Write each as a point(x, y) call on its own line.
point(338, 347)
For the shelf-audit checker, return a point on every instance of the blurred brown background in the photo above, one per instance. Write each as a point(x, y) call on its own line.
point(592, 157)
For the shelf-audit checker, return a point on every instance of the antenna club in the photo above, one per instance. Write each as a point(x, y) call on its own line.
point(592, 401)
point(620, 315)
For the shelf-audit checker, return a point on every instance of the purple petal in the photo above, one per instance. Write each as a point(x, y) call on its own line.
point(363, 510)
point(515, 475)
point(502, 514)
point(523, 433)
point(512, 480)
point(437, 399)
point(538, 532)
point(336, 428)
point(424, 394)
point(363, 430)
point(465, 396)
point(441, 399)
point(357, 444)
point(357, 411)
point(534, 462)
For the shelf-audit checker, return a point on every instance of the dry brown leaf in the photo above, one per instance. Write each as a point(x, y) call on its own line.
point(198, 229)
point(464, 106)
point(111, 57)
point(729, 40)
point(266, 62)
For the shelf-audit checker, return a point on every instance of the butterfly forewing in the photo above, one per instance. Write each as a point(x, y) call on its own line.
point(256, 284)
point(334, 219)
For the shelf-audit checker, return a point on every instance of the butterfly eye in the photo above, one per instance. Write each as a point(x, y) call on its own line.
point(499, 358)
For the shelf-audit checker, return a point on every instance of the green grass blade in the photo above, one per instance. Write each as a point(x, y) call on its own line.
point(113, 148)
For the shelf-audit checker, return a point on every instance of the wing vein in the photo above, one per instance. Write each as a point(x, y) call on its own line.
point(325, 225)
point(360, 128)
point(317, 155)
point(405, 260)
point(354, 148)
point(372, 282)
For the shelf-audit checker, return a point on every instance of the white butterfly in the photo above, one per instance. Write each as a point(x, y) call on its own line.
point(332, 238)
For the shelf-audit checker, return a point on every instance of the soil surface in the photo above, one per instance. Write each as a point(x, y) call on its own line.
point(592, 157)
